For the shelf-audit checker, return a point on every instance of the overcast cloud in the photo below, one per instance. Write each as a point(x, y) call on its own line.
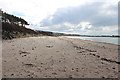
point(91, 18)
point(94, 13)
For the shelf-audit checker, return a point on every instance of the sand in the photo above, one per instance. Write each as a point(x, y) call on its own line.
point(58, 57)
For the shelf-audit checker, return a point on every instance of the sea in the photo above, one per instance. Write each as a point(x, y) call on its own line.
point(112, 40)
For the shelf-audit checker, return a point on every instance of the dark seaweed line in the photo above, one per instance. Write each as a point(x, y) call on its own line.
point(104, 59)
point(108, 60)
point(84, 49)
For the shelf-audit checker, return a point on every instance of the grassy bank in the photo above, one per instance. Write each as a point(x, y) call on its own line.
point(10, 31)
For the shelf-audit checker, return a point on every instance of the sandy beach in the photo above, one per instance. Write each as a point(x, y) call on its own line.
point(58, 57)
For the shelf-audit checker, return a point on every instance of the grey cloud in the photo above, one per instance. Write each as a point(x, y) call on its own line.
point(90, 12)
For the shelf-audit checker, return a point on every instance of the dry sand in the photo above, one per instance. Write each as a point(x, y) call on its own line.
point(58, 57)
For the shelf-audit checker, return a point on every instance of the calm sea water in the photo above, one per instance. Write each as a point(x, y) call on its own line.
point(113, 40)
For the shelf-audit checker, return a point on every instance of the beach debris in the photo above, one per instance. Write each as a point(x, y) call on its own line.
point(81, 52)
point(29, 75)
point(95, 55)
point(42, 63)
point(77, 69)
point(29, 64)
point(54, 73)
point(32, 48)
point(24, 55)
point(12, 74)
point(49, 46)
point(72, 68)
point(60, 61)
point(23, 52)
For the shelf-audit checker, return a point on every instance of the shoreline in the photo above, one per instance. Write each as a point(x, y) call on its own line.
point(72, 37)
point(94, 39)
point(59, 57)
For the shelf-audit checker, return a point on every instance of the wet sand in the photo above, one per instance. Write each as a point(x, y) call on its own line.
point(58, 57)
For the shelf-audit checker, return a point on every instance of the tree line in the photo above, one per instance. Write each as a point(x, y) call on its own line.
point(13, 19)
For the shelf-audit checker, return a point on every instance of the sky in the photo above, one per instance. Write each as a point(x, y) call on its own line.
point(93, 17)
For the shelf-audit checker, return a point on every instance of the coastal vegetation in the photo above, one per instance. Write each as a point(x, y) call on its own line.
point(13, 19)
